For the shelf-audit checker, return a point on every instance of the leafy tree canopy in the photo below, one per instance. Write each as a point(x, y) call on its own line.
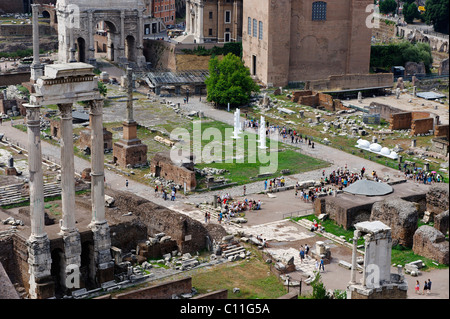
point(436, 13)
point(388, 6)
point(229, 81)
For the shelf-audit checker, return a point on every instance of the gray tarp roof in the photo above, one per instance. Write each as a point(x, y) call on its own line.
point(159, 78)
point(368, 188)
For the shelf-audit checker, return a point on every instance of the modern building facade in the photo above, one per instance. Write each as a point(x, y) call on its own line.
point(164, 9)
point(214, 20)
point(288, 41)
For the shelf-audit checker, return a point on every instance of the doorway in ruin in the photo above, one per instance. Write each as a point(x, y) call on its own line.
point(157, 171)
point(87, 272)
point(130, 48)
point(81, 50)
point(56, 271)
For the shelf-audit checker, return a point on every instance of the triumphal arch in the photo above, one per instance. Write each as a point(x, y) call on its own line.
point(122, 19)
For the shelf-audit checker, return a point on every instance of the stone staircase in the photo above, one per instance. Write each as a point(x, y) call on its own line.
point(15, 193)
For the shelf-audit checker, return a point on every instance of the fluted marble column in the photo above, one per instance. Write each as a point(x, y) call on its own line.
point(37, 69)
point(91, 30)
point(39, 256)
point(71, 236)
point(97, 162)
point(99, 226)
point(200, 23)
point(354, 251)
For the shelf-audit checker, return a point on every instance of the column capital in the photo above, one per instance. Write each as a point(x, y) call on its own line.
point(96, 107)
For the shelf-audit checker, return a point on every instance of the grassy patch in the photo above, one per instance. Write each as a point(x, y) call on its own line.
point(253, 278)
point(403, 255)
point(333, 228)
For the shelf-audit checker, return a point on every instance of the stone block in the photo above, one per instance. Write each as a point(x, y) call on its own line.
point(400, 215)
point(430, 243)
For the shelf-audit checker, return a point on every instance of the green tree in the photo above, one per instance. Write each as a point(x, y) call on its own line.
point(229, 81)
point(436, 14)
point(388, 6)
point(410, 12)
point(102, 88)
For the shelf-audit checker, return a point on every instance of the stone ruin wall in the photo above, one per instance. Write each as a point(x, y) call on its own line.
point(442, 131)
point(347, 216)
point(430, 243)
point(400, 215)
point(190, 235)
point(418, 122)
point(161, 291)
point(437, 199)
point(170, 171)
point(400, 121)
point(317, 99)
point(422, 126)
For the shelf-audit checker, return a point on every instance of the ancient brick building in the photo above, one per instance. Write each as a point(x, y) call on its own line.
point(300, 40)
point(163, 166)
point(214, 20)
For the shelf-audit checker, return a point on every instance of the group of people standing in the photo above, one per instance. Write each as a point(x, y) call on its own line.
point(303, 253)
point(164, 194)
point(426, 287)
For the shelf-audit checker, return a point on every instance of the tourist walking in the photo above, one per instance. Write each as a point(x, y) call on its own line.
point(302, 254)
point(425, 287)
point(306, 249)
point(429, 287)
point(321, 265)
point(126, 183)
point(245, 188)
point(206, 217)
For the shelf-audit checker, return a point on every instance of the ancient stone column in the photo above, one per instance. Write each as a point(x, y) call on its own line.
point(354, 251)
point(188, 17)
point(91, 30)
point(98, 225)
point(39, 256)
point(200, 23)
point(71, 24)
point(122, 34)
point(130, 95)
point(71, 236)
point(36, 68)
point(67, 169)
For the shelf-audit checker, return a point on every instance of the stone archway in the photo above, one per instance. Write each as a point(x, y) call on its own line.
point(106, 35)
point(78, 19)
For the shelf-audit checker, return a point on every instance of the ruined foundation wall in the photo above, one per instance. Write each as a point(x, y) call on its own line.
point(190, 235)
point(162, 291)
point(422, 126)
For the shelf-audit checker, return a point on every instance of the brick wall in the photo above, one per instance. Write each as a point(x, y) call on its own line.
point(422, 126)
point(442, 130)
point(400, 121)
point(14, 78)
point(162, 166)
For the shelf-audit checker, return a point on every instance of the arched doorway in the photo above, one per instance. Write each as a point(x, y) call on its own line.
point(81, 48)
point(45, 14)
point(130, 48)
point(105, 36)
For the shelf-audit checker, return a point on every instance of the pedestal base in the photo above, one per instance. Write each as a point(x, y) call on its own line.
point(130, 152)
point(39, 267)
